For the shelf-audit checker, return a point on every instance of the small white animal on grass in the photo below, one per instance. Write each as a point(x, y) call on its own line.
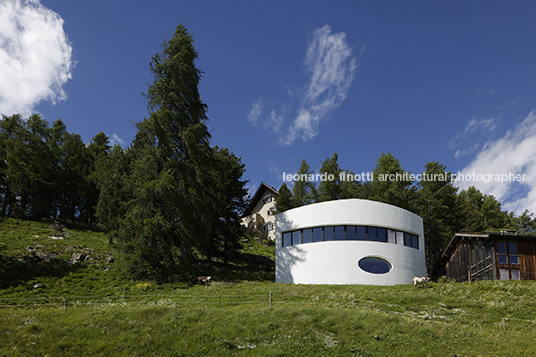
point(420, 280)
point(202, 280)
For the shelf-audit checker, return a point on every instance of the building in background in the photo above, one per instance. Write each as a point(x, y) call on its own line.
point(259, 217)
point(349, 241)
point(501, 255)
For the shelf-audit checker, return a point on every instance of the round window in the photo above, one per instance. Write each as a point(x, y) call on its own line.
point(374, 265)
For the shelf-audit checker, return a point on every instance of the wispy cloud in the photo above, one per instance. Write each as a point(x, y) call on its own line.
point(115, 139)
point(470, 139)
point(255, 112)
point(35, 56)
point(486, 91)
point(332, 66)
point(513, 153)
point(507, 105)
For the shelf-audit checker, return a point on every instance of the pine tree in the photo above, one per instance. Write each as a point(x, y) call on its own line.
point(437, 208)
point(284, 199)
point(304, 191)
point(329, 189)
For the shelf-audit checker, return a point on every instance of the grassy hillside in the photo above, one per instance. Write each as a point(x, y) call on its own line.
point(87, 309)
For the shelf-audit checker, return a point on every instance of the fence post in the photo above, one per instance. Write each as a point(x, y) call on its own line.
point(270, 301)
point(469, 275)
point(65, 302)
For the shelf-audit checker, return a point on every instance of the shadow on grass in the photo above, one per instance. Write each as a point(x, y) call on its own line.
point(14, 272)
point(241, 266)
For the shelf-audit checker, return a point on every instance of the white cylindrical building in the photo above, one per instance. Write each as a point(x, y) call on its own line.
point(349, 242)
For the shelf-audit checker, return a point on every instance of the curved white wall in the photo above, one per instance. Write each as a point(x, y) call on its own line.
point(336, 262)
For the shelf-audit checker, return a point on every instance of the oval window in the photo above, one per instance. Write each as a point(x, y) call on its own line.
point(374, 265)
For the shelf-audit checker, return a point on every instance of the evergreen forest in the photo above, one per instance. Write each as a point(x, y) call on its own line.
point(170, 198)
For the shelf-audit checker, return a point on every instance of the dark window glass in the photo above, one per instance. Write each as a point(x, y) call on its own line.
point(287, 239)
point(391, 236)
point(296, 237)
point(382, 235)
point(361, 233)
point(339, 233)
point(372, 233)
point(514, 259)
point(501, 246)
point(407, 239)
point(317, 235)
point(512, 247)
point(488, 248)
point(502, 259)
point(307, 236)
point(350, 233)
point(374, 265)
point(328, 234)
point(415, 241)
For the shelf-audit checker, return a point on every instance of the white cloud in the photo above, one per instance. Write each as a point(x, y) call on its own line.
point(332, 67)
point(115, 139)
point(35, 56)
point(255, 112)
point(513, 153)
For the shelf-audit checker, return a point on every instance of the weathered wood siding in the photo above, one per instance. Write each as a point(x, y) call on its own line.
point(460, 262)
point(527, 259)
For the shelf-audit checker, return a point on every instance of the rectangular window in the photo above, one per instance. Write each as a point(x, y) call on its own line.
point(317, 235)
point(504, 274)
point(400, 238)
point(287, 239)
point(372, 234)
point(339, 233)
point(361, 233)
point(407, 239)
point(296, 237)
point(382, 235)
point(328, 234)
point(351, 233)
point(415, 241)
point(501, 249)
point(391, 236)
point(307, 236)
point(512, 253)
point(514, 274)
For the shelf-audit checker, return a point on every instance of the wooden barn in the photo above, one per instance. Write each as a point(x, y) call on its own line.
point(490, 256)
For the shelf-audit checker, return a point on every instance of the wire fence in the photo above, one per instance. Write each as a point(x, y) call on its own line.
point(437, 315)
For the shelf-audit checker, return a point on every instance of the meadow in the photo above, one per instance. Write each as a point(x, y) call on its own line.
point(56, 308)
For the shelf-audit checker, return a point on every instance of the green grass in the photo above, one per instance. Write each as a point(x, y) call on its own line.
point(83, 309)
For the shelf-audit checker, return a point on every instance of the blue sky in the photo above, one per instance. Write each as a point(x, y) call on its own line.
point(284, 81)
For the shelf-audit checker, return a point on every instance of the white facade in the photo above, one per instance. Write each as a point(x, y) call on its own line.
point(349, 242)
point(259, 217)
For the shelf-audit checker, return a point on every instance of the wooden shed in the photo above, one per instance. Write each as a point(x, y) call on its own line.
point(490, 256)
